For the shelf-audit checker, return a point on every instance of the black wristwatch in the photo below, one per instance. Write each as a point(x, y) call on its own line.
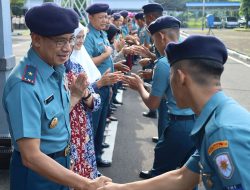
point(87, 97)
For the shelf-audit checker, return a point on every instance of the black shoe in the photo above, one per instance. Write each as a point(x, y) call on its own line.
point(105, 145)
point(112, 118)
point(108, 120)
point(103, 163)
point(113, 106)
point(112, 109)
point(150, 114)
point(115, 101)
point(155, 139)
point(145, 174)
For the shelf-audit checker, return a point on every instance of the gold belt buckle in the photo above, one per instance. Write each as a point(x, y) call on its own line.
point(66, 151)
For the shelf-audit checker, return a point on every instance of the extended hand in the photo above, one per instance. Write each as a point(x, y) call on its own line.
point(134, 81)
point(146, 74)
point(144, 62)
point(121, 67)
point(110, 78)
point(142, 51)
point(112, 186)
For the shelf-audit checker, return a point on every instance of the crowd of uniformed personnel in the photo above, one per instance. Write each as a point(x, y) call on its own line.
point(61, 96)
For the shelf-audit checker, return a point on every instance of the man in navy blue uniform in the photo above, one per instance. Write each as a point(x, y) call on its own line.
point(175, 123)
point(221, 132)
point(37, 102)
point(98, 47)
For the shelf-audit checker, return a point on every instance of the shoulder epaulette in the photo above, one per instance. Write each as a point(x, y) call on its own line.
point(29, 74)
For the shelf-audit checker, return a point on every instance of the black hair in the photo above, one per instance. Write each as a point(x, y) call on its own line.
point(201, 70)
point(156, 14)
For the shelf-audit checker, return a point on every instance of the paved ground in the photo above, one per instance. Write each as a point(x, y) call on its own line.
point(235, 40)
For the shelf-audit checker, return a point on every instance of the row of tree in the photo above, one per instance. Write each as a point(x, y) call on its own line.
point(180, 5)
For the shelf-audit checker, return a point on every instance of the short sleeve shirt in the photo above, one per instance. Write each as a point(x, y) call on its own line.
point(31, 108)
point(95, 43)
point(160, 80)
point(143, 36)
point(222, 137)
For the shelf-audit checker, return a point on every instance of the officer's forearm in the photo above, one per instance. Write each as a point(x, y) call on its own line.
point(99, 59)
point(152, 102)
point(144, 95)
point(37, 161)
point(73, 101)
point(174, 180)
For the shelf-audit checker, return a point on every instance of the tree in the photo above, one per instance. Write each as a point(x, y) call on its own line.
point(17, 2)
point(16, 7)
point(172, 5)
point(245, 10)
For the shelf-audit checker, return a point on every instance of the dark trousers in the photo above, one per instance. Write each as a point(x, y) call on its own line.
point(99, 121)
point(22, 178)
point(163, 120)
point(174, 147)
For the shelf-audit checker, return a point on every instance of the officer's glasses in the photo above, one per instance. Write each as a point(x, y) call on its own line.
point(62, 42)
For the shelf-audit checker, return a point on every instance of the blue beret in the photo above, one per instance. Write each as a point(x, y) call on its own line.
point(109, 11)
point(139, 15)
point(124, 13)
point(162, 23)
point(112, 31)
point(97, 8)
point(116, 16)
point(152, 7)
point(49, 19)
point(197, 47)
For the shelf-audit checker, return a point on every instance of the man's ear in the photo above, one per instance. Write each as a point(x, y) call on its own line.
point(181, 76)
point(90, 17)
point(36, 39)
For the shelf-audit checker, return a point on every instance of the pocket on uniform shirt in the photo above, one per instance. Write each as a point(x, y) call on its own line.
point(100, 48)
point(53, 110)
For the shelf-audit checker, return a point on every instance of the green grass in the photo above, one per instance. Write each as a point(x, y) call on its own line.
point(242, 29)
point(194, 23)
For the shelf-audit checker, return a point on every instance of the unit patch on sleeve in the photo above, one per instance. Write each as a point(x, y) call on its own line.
point(217, 145)
point(225, 165)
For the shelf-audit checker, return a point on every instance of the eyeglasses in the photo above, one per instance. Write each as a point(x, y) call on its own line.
point(62, 42)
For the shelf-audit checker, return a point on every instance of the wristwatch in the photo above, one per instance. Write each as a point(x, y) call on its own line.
point(87, 97)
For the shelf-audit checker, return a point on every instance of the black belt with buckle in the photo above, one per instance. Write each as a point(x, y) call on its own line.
point(173, 117)
point(62, 153)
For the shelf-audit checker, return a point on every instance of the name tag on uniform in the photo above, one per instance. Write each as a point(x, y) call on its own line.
point(49, 99)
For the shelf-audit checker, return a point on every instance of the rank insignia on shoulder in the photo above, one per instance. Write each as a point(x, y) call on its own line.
point(29, 75)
